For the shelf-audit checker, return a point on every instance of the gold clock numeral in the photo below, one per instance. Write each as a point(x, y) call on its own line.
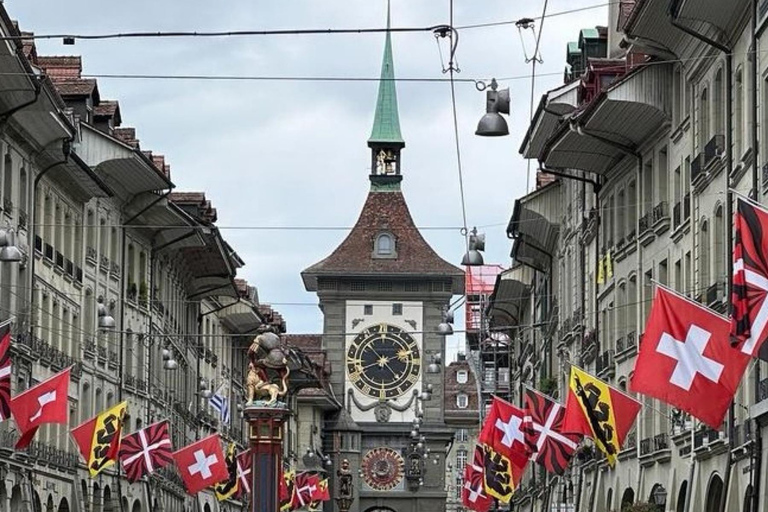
point(413, 378)
point(354, 376)
point(366, 389)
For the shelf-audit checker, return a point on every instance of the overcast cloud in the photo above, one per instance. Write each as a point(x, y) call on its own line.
point(293, 153)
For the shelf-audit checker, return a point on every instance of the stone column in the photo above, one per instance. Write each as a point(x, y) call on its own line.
point(265, 439)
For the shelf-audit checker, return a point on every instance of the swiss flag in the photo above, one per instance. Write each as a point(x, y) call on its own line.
point(686, 360)
point(202, 464)
point(503, 432)
point(45, 403)
point(473, 495)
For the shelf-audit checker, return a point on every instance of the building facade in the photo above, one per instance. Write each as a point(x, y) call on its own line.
point(662, 113)
point(122, 278)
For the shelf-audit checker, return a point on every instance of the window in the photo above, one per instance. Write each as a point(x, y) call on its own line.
point(368, 309)
point(384, 246)
point(462, 376)
point(461, 460)
point(738, 116)
point(397, 309)
point(462, 401)
point(462, 435)
point(703, 119)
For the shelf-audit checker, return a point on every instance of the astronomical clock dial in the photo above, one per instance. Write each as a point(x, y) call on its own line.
point(382, 469)
point(383, 361)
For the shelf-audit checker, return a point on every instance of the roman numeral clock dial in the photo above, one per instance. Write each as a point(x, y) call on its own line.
point(383, 362)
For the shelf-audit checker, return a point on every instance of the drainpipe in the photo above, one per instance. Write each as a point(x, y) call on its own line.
point(672, 12)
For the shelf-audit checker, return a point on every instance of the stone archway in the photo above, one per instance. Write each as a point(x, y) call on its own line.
point(63, 505)
point(658, 497)
point(627, 498)
point(16, 502)
point(137, 506)
point(681, 496)
point(714, 493)
point(609, 501)
point(380, 509)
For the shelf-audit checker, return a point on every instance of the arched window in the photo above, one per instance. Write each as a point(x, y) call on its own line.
point(718, 98)
point(384, 246)
point(703, 119)
point(738, 115)
point(681, 495)
point(704, 248)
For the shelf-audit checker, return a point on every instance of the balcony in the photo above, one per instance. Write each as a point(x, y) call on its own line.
point(715, 296)
point(589, 348)
point(705, 437)
point(626, 346)
point(113, 359)
point(646, 227)
point(655, 444)
point(697, 168)
point(22, 219)
point(742, 434)
point(115, 269)
point(714, 149)
point(661, 217)
point(8, 206)
point(605, 366)
point(90, 255)
point(762, 390)
point(630, 442)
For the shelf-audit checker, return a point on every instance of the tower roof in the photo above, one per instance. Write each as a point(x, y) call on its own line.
point(386, 122)
point(384, 212)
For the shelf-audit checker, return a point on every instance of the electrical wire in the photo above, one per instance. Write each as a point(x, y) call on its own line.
point(534, 61)
point(451, 70)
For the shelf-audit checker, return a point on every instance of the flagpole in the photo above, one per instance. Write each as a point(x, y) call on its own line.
point(692, 464)
point(728, 289)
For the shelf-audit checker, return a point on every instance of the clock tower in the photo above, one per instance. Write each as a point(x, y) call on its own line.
point(382, 292)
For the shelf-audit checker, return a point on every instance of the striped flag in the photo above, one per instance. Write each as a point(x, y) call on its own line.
point(146, 450)
point(5, 371)
point(220, 402)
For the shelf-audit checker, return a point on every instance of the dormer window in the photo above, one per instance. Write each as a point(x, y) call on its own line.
point(384, 246)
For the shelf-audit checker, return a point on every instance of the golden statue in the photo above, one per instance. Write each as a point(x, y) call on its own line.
point(257, 382)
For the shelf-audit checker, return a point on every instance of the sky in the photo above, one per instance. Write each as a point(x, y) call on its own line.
point(292, 154)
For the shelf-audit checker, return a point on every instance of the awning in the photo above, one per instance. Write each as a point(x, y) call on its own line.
point(510, 295)
point(534, 227)
point(167, 225)
point(210, 268)
point(125, 169)
point(601, 135)
point(239, 316)
point(713, 16)
point(553, 106)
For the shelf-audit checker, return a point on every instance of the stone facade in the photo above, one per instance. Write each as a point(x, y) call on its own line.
point(643, 133)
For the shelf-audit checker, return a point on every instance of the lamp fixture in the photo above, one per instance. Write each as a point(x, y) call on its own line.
point(9, 252)
point(473, 257)
point(106, 321)
point(492, 124)
point(445, 327)
point(434, 364)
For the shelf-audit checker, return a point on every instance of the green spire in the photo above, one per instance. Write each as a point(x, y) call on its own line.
point(386, 123)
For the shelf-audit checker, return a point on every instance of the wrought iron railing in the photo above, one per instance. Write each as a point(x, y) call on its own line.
point(646, 222)
point(660, 212)
point(660, 442)
point(605, 364)
point(714, 148)
point(697, 167)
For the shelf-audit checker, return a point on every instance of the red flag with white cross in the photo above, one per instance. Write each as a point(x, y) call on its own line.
point(473, 495)
point(44, 403)
point(686, 360)
point(244, 473)
point(502, 431)
point(202, 464)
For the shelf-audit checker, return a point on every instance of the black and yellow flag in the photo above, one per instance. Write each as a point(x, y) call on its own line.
point(228, 487)
point(99, 438)
point(596, 409)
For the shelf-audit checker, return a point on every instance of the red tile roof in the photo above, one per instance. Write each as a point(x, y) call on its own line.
point(77, 87)
point(384, 212)
point(61, 66)
point(127, 135)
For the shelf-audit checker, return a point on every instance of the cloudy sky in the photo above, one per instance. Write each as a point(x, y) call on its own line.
point(292, 154)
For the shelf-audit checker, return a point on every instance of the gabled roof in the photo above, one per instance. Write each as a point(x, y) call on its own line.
point(384, 212)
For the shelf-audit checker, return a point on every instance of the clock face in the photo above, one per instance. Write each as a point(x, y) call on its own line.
point(382, 468)
point(383, 361)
